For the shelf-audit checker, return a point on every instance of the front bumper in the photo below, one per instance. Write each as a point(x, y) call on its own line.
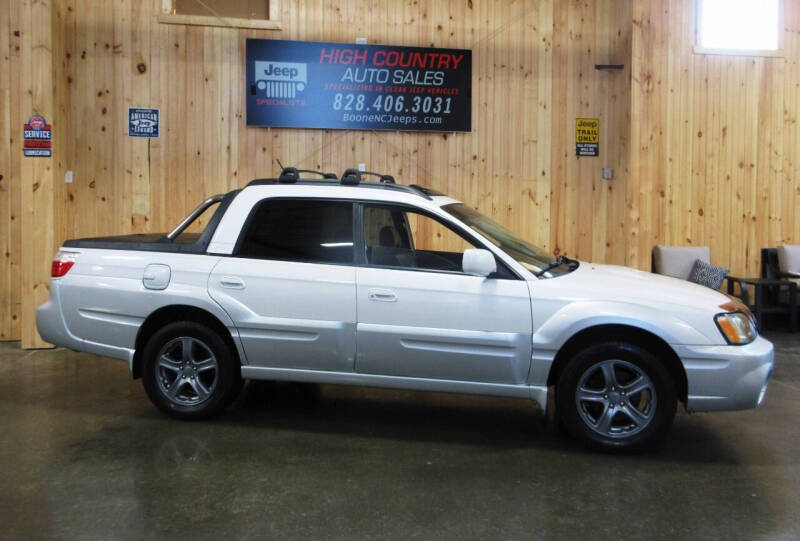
point(727, 377)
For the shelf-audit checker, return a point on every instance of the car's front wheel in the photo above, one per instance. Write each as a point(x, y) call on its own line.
point(615, 396)
point(189, 371)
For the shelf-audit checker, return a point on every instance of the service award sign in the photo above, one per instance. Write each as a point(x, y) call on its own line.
point(302, 84)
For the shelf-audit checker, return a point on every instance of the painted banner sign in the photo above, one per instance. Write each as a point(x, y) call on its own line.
point(37, 138)
point(302, 84)
point(587, 136)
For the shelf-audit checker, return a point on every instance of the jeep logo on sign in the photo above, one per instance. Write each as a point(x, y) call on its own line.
point(280, 79)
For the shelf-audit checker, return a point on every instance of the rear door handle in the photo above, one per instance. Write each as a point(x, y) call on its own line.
point(231, 282)
point(382, 295)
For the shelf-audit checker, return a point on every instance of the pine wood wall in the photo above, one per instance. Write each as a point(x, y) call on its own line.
point(714, 142)
point(704, 149)
point(27, 194)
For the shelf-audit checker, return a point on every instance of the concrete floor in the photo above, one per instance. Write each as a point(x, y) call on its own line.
point(83, 455)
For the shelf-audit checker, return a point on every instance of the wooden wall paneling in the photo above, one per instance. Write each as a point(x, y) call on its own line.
point(699, 131)
point(36, 173)
point(498, 100)
point(193, 117)
point(633, 228)
point(658, 135)
point(102, 108)
point(543, 170)
point(718, 158)
point(139, 72)
point(85, 173)
point(236, 107)
point(597, 102)
point(737, 250)
point(585, 210)
point(675, 126)
point(249, 153)
point(687, 80)
point(723, 192)
point(158, 74)
point(209, 126)
point(559, 128)
point(59, 90)
point(750, 255)
point(646, 186)
point(10, 286)
point(789, 198)
point(6, 291)
point(769, 153)
point(175, 129)
point(567, 78)
point(652, 157)
point(5, 159)
point(725, 131)
point(17, 117)
point(513, 202)
point(679, 182)
point(619, 140)
point(121, 99)
point(65, 60)
point(592, 102)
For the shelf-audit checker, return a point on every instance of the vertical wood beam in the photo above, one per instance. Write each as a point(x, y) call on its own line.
point(36, 180)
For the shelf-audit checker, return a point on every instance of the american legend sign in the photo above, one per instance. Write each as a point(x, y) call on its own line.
point(302, 84)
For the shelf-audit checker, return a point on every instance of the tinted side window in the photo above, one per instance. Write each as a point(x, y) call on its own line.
point(401, 238)
point(396, 237)
point(300, 230)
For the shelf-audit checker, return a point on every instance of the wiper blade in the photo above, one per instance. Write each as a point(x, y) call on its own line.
point(560, 260)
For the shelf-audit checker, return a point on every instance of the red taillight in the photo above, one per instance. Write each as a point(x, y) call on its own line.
point(62, 263)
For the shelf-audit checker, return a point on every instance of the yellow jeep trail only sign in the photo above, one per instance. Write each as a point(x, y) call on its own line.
point(587, 136)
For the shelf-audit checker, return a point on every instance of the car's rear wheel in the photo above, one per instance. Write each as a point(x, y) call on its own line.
point(615, 396)
point(189, 371)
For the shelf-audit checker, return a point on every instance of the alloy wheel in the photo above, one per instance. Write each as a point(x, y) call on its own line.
point(187, 371)
point(616, 398)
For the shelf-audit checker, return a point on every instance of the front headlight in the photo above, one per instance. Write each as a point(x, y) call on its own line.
point(737, 328)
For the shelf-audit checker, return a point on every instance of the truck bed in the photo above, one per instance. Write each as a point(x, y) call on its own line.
point(187, 243)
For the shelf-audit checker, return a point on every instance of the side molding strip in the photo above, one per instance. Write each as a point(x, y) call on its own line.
point(538, 394)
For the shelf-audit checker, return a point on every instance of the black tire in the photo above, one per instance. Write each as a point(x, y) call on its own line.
point(588, 368)
point(221, 383)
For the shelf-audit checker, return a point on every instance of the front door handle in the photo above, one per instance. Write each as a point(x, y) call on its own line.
point(382, 295)
point(231, 282)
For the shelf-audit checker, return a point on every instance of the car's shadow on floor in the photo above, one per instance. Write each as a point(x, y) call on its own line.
point(444, 418)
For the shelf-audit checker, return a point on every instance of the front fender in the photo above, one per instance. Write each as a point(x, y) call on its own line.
point(576, 316)
point(552, 333)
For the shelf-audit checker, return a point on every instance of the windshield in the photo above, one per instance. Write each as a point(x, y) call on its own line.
point(531, 257)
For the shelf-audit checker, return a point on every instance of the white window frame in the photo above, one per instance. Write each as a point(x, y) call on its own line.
point(168, 16)
point(699, 49)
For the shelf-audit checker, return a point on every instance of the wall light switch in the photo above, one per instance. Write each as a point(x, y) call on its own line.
point(608, 173)
point(362, 167)
point(68, 177)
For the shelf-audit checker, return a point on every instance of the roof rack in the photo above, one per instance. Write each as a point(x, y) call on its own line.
point(388, 179)
point(290, 175)
point(428, 191)
point(351, 177)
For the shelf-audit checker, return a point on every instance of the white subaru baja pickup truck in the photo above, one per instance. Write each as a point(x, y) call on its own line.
point(344, 281)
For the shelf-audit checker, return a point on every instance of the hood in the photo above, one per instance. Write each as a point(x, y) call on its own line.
point(616, 283)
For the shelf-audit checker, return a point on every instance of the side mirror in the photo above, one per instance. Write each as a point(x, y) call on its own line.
point(478, 262)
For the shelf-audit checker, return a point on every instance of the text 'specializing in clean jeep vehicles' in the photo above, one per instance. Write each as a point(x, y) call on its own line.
point(344, 281)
